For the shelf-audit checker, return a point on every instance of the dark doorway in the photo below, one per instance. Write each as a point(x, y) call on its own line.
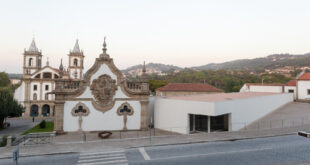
point(46, 110)
point(219, 123)
point(34, 110)
point(198, 123)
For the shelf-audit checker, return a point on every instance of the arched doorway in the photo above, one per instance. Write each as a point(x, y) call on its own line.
point(46, 110)
point(34, 110)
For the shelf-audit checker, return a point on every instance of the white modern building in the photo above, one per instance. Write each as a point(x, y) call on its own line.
point(215, 112)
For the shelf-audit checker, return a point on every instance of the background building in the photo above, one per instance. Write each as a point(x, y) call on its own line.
point(37, 82)
point(176, 89)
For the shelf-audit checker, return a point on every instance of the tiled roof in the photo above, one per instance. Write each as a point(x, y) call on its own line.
point(305, 76)
point(189, 87)
point(291, 83)
point(264, 84)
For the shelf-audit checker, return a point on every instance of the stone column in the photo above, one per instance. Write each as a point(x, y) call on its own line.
point(59, 115)
point(144, 115)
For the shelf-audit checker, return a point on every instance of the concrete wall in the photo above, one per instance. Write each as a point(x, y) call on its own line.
point(172, 115)
point(302, 87)
point(260, 88)
point(245, 111)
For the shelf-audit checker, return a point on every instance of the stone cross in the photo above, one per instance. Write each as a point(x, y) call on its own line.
point(80, 111)
point(125, 111)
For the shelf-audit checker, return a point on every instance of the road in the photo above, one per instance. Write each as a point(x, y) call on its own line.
point(290, 149)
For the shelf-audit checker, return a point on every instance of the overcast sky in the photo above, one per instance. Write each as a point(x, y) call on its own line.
point(183, 33)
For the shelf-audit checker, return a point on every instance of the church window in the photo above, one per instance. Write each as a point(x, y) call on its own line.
point(35, 96)
point(35, 87)
point(38, 76)
point(46, 87)
point(30, 62)
point(47, 75)
point(75, 62)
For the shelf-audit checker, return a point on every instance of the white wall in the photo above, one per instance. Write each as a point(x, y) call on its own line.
point(38, 91)
point(19, 94)
point(260, 88)
point(245, 111)
point(172, 115)
point(302, 87)
point(287, 88)
point(98, 121)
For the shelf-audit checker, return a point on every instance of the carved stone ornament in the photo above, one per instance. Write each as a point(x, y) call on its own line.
point(80, 110)
point(125, 110)
point(103, 89)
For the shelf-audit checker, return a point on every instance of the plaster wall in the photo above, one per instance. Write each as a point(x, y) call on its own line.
point(303, 87)
point(259, 88)
point(98, 121)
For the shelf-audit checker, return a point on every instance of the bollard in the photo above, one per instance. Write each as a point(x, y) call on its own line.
point(9, 141)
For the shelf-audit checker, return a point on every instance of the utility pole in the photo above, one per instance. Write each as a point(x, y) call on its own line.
point(262, 82)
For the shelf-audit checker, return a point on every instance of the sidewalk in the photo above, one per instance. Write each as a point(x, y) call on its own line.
point(118, 144)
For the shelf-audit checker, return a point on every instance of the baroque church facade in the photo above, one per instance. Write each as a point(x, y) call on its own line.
point(102, 99)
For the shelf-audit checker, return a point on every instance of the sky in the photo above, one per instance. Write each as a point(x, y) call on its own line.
point(178, 32)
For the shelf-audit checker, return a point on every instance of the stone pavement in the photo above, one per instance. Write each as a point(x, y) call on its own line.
point(18, 126)
point(117, 144)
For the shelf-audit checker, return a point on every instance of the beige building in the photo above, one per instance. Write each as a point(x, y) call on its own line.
point(37, 81)
point(176, 89)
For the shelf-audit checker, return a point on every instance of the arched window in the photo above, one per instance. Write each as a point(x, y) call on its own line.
point(30, 62)
point(75, 62)
point(34, 110)
point(35, 96)
point(46, 110)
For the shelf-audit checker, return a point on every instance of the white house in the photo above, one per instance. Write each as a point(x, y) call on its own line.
point(215, 112)
point(303, 87)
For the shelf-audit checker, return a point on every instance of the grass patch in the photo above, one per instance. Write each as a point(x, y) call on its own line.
point(48, 128)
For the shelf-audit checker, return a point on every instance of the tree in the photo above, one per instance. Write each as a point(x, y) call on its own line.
point(4, 79)
point(9, 107)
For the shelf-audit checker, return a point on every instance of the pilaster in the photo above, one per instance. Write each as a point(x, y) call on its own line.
point(144, 114)
point(59, 115)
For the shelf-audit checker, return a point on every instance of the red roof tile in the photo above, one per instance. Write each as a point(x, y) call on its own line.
point(291, 83)
point(305, 76)
point(190, 87)
point(264, 84)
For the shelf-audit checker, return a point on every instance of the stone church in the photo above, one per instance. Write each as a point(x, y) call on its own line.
point(100, 99)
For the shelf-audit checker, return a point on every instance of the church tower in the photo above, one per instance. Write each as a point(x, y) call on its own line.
point(32, 59)
point(76, 60)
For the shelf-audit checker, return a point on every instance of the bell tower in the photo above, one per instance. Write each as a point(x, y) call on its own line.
point(76, 62)
point(32, 59)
